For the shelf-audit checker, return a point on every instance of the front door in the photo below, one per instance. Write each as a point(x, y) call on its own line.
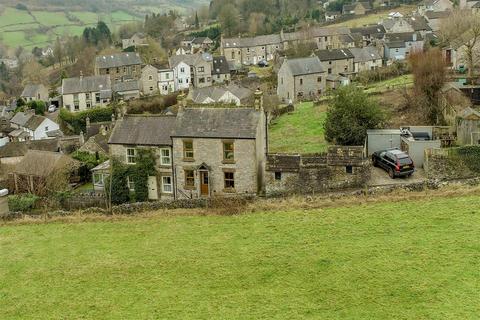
point(204, 183)
point(152, 188)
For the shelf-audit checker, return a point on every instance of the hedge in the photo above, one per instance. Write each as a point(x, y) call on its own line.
point(22, 202)
point(75, 121)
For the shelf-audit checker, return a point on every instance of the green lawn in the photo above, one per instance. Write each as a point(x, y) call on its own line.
point(48, 18)
point(13, 16)
point(86, 17)
point(386, 85)
point(301, 131)
point(375, 18)
point(405, 260)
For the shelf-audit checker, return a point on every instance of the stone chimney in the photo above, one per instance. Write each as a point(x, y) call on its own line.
point(258, 99)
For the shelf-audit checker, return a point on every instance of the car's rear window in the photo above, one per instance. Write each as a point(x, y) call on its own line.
point(405, 161)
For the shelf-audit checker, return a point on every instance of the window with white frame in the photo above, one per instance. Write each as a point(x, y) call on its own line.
point(130, 184)
point(131, 154)
point(165, 158)
point(167, 184)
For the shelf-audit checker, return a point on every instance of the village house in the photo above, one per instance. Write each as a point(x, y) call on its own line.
point(336, 61)
point(357, 8)
point(13, 152)
point(435, 18)
point(231, 94)
point(126, 90)
point(83, 93)
point(434, 5)
point(398, 46)
point(396, 23)
point(29, 126)
point(137, 40)
point(370, 34)
point(149, 80)
point(199, 67)
point(135, 132)
point(365, 59)
point(300, 79)
point(250, 50)
point(201, 43)
point(96, 136)
point(166, 81)
point(33, 92)
point(332, 15)
point(119, 66)
point(219, 152)
point(220, 70)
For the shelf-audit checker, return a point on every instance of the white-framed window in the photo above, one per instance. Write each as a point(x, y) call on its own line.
point(165, 157)
point(182, 70)
point(130, 183)
point(131, 154)
point(167, 184)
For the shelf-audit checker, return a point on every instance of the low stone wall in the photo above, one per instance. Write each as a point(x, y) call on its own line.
point(339, 168)
point(83, 201)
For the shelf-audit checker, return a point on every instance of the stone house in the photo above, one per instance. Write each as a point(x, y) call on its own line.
point(365, 59)
point(398, 46)
point(33, 92)
point(300, 79)
point(341, 167)
point(126, 90)
point(83, 93)
point(166, 81)
point(96, 136)
point(434, 5)
point(29, 126)
point(336, 61)
point(435, 19)
point(251, 50)
point(370, 34)
point(135, 132)
point(149, 80)
point(13, 152)
point(199, 66)
point(219, 152)
point(220, 70)
point(201, 43)
point(119, 66)
point(357, 8)
point(396, 23)
point(137, 40)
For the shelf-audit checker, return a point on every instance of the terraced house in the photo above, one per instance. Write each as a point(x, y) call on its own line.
point(119, 66)
point(86, 92)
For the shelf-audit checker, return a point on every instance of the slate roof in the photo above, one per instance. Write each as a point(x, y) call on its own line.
point(21, 118)
point(34, 122)
point(370, 31)
point(199, 95)
point(220, 65)
point(201, 40)
point(403, 36)
point(438, 14)
point(233, 123)
point(334, 54)
point(124, 86)
point(419, 23)
point(365, 54)
point(31, 90)
point(86, 84)
point(251, 41)
point(143, 130)
point(18, 149)
point(117, 60)
point(190, 59)
point(102, 166)
point(469, 113)
point(43, 163)
point(396, 44)
point(303, 66)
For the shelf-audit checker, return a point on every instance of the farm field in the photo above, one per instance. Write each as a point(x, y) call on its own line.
point(301, 131)
point(414, 259)
point(19, 28)
point(374, 18)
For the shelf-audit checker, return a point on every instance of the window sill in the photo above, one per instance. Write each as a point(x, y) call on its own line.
point(189, 187)
point(228, 162)
point(188, 160)
point(229, 190)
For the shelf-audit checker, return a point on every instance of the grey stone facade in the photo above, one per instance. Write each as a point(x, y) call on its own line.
point(339, 168)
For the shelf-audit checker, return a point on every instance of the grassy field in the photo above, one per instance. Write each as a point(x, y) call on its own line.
point(397, 82)
point(20, 22)
point(374, 18)
point(301, 131)
point(391, 260)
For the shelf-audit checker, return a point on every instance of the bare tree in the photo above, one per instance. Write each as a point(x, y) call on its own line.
point(462, 31)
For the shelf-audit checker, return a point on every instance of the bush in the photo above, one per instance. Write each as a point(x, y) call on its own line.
point(22, 202)
point(350, 113)
point(470, 155)
point(394, 70)
point(153, 105)
point(38, 106)
point(75, 121)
